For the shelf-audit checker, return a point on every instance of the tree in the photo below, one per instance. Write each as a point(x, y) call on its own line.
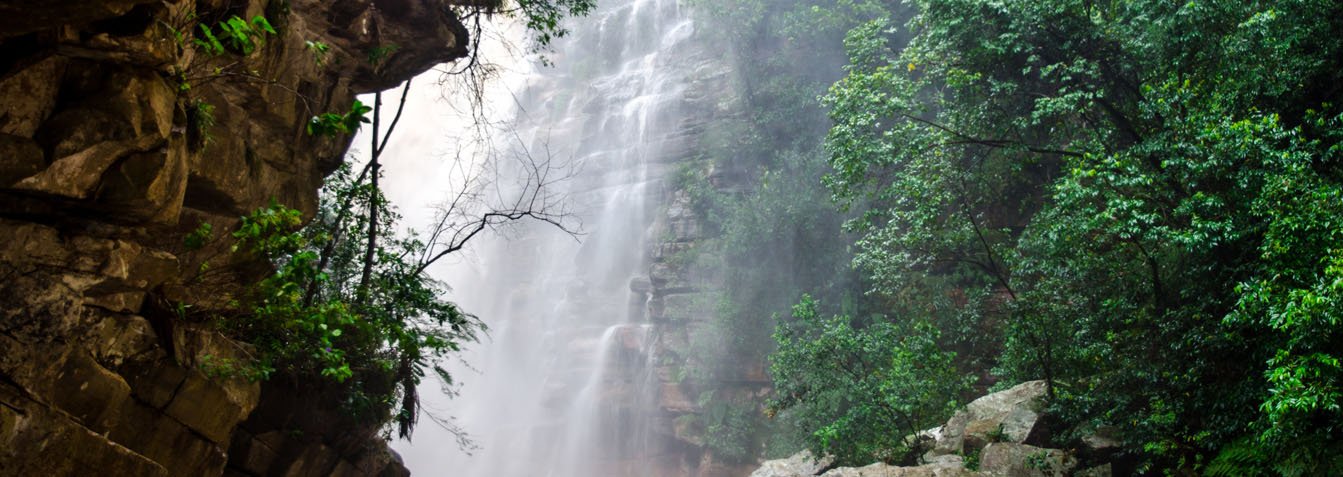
point(374, 328)
point(866, 389)
point(1115, 177)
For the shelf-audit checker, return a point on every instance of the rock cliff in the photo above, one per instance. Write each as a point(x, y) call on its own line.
point(682, 292)
point(118, 138)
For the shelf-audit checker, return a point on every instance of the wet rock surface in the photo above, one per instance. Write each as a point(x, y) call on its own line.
point(104, 169)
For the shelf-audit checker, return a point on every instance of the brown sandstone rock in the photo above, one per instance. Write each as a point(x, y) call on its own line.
point(672, 398)
point(20, 157)
point(168, 442)
point(95, 172)
point(30, 96)
point(36, 440)
point(75, 176)
point(89, 393)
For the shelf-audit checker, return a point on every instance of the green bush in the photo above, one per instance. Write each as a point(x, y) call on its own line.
point(319, 316)
point(862, 386)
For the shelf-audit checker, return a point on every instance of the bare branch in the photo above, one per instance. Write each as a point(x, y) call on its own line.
point(484, 203)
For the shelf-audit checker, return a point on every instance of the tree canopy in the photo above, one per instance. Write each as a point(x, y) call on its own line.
point(1146, 193)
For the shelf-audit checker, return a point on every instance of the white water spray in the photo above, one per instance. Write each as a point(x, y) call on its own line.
point(562, 387)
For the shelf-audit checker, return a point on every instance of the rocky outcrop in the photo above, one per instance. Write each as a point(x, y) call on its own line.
point(682, 290)
point(801, 463)
point(1012, 415)
point(117, 139)
point(998, 435)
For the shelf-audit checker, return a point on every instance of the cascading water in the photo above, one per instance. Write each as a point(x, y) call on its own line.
point(562, 386)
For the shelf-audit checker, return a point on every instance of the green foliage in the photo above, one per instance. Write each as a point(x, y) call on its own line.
point(333, 124)
point(200, 120)
point(1039, 460)
point(380, 53)
point(287, 331)
point(730, 427)
point(209, 43)
point(199, 236)
point(319, 51)
point(1296, 299)
point(971, 459)
point(315, 318)
point(862, 387)
point(229, 368)
point(233, 35)
point(757, 175)
point(543, 17)
point(1139, 198)
point(1240, 459)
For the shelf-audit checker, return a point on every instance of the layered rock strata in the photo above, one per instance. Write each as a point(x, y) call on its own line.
point(683, 287)
point(118, 138)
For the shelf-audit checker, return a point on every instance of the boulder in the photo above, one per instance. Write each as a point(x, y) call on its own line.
point(941, 469)
point(1100, 443)
point(1006, 459)
point(120, 338)
point(314, 461)
point(801, 464)
point(208, 407)
point(1011, 415)
point(689, 430)
point(149, 185)
point(1000, 427)
point(641, 285)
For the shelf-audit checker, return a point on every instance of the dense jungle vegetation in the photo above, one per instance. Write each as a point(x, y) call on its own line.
point(1140, 202)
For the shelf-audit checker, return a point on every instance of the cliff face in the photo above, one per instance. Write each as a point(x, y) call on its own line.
point(107, 162)
point(682, 291)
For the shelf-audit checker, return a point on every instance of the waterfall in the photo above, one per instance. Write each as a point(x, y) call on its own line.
point(563, 386)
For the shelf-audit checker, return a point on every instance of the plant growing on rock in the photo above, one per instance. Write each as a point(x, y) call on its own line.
point(208, 44)
point(318, 316)
point(233, 35)
point(332, 124)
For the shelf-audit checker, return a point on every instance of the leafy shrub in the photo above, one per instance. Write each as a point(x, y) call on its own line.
point(234, 35)
point(320, 316)
point(331, 124)
point(862, 386)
